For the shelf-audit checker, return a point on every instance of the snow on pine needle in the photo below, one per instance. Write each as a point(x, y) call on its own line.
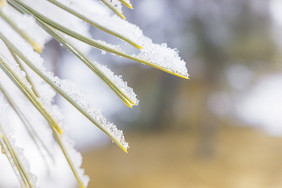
point(14, 154)
point(26, 25)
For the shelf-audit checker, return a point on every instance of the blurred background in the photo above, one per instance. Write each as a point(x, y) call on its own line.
point(222, 128)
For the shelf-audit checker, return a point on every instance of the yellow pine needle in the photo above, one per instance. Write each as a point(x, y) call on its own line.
point(124, 149)
point(24, 175)
point(23, 34)
point(121, 15)
point(74, 170)
point(23, 69)
point(181, 76)
point(139, 47)
point(126, 4)
point(2, 147)
point(15, 168)
point(108, 4)
point(3, 3)
point(38, 48)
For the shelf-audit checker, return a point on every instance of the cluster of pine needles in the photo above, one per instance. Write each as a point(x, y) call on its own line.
point(55, 29)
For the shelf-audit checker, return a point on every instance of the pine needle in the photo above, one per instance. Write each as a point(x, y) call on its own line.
point(35, 45)
point(108, 4)
point(90, 65)
point(87, 40)
point(126, 4)
point(32, 133)
point(37, 104)
point(26, 91)
point(70, 162)
point(26, 74)
point(21, 170)
point(95, 24)
point(3, 3)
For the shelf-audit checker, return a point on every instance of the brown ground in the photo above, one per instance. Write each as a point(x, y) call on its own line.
point(242, 158)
